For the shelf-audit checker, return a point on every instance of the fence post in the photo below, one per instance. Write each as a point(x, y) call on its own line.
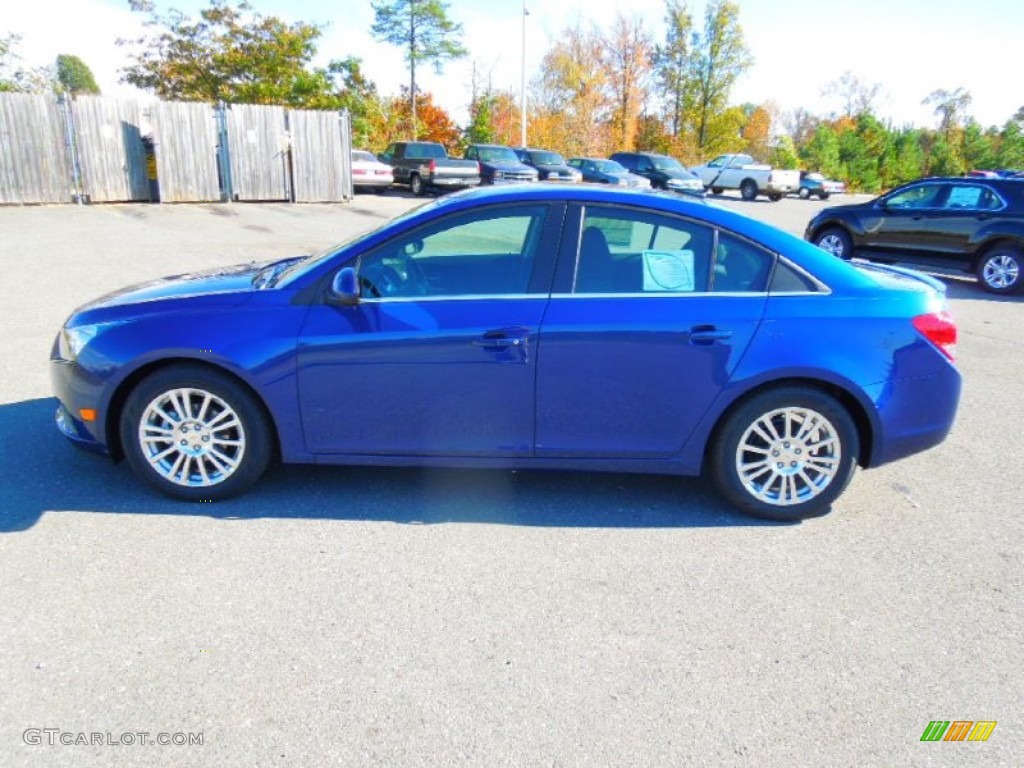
point(71, 146)
point(227, 192)
point(348, 189)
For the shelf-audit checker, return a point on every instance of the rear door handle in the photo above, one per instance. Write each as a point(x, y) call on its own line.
point(500, 339)
point(706, 335)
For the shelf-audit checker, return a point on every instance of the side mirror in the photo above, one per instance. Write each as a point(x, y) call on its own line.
point(344, 288)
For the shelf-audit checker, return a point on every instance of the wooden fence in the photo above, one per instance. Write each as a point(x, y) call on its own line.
point(34, 156)
point(96, 149)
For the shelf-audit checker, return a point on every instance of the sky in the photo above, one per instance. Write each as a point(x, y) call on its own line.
point(909, 47)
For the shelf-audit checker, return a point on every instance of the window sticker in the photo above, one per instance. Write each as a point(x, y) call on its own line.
point(963, 197)
point(668, 271)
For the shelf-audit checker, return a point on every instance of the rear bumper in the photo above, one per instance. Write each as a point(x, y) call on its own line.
point(914, 414)
point(454, 182)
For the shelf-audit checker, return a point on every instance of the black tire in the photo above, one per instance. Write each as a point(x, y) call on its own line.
point(804, 193)
point(748, 189)
point(811, 470)
point(836, 241)
point(823, 195)
point(211, 441)
point(416, 185)
point(717, 190)
point(1001, 270)
point(775, 197)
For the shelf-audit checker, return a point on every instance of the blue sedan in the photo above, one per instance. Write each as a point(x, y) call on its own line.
point(571, 328)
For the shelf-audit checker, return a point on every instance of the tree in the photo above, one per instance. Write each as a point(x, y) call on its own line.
point(627, 53)
point(950, 106)
point(423, 28)
point(355, 92)
point(228, 54)
point(671, 60)
point(718, 57)
point(17, 78)
point(757, 132)
point(74, 76)
point(856, 96)
point(573, 87)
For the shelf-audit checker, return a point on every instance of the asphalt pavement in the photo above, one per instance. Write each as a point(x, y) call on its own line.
point(393, 617)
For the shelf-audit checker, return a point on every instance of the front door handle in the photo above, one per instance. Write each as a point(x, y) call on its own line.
point(706, 335)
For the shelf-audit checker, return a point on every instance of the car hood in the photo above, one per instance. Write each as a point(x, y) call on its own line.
point(235, 280)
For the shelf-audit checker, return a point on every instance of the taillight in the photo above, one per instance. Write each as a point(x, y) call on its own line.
point(433, 165)
point(940, 330)
point(479, 168)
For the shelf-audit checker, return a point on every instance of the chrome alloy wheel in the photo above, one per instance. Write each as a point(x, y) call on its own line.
point(1000, 272)
point(833, 244)
point(788, 456)
point(191, 437)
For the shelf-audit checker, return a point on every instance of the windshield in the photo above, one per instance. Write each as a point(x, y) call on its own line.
point(663, 163)
point(546, 158)
point(608, 166)
point(501, 154)
point(311, 262)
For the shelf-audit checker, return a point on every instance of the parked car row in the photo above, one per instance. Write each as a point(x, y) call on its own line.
point(425, 166)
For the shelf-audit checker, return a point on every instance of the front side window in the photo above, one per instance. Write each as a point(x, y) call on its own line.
point(483, 253)
point(918, 196)
point(630, 251)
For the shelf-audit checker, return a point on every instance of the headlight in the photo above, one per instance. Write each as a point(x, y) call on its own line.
point(73, 340)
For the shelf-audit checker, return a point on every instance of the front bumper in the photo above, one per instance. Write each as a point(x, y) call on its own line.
point(75, 390)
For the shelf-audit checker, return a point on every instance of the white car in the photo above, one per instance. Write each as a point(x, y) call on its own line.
point(370, 173)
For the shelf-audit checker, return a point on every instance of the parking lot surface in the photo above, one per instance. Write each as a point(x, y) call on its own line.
point(372, 617)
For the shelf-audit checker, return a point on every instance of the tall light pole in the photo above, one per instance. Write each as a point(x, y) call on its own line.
point(522, 85)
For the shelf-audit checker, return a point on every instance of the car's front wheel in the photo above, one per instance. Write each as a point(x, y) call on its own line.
point(835, 241)
point(1001, 270)
point(804, 193)
point(195, 434)
point(785, 454)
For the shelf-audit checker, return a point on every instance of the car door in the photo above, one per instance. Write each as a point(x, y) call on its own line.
point(439, 356)
point(643, 330)
point(964, 209)
point(903, 221)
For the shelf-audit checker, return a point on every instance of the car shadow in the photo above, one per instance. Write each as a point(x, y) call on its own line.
point(968, 288)
point(40, 473)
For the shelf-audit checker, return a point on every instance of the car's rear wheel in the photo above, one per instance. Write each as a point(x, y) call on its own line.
point(804, 193)
point(823, 195)
point(748, 189)
point(785, 454)
point(835, 241)
point(1001, 270)
point(775, 197)
point(416, 185)
point(717, 190)
point(195, 434)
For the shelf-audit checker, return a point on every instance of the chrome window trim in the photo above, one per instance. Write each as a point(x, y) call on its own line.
point(457, 297)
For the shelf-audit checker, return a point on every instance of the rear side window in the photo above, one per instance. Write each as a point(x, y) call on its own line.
point(740, 266)
point(630, 251)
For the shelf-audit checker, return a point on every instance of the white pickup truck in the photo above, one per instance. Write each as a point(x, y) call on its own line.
point(750, 178)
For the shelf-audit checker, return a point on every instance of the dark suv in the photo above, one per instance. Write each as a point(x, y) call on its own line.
point(664, 172)
point(967, 224)
point(499, 165)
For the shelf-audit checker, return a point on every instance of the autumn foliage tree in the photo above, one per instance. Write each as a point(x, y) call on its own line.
point(229, 53)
